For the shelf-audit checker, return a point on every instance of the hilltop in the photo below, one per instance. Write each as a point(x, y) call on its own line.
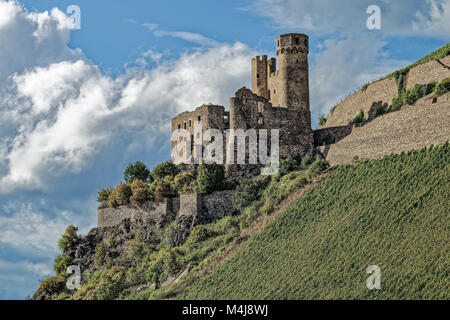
point(308, 232)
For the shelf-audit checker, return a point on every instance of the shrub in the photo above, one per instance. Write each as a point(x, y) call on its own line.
point(364, 87)
point(443, 87)
point(164, 169)
point(396, 104)
point(138, 247)
point(410, 96)
point(100, 255)
point(69, 238)
point(431, 87)
point(322, 120)
point(51, 286)
point(109, 285)
point(123, 194)
point(182, 183)
point(162, 190)
point(249, 190)
point(307, 160)
point(289, 164)
point(112, 201)
point(140, 193)
point(103, 197)
point(359, 118)
point(136, 171)
point(317, 167)
point(199, 233)
point(210, 177)
point(61, 263)
point(151, 190)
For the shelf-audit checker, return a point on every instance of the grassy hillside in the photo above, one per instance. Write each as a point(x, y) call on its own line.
point(391, 212)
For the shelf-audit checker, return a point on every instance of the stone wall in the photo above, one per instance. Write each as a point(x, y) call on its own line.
point(428, 72)
point(410, 128)
point(200, 209)
point(217, 205)
point(337, 133)
point(383, 91)
point(113, 216)
point(249, 111)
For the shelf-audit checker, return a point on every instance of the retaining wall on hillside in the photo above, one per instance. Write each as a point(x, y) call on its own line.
point(383, 91)
point(113, 216)
point(336, 133)
point(428, 72)
point(202, 208)
point(411, 128)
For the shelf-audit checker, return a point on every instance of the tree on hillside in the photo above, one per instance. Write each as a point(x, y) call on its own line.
point(165, 169)
point(137, 171)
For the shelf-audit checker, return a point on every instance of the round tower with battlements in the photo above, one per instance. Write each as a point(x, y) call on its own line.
point(293, 79)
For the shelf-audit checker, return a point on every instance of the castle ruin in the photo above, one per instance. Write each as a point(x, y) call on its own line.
point(279, 99)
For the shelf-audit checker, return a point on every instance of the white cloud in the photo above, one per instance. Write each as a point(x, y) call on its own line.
point(406, 17)
point(345, 65)
point(32, 39)
point(437, 21)
point(184, 35)
point(23, 228)
point(56, 117)
point(24, 267)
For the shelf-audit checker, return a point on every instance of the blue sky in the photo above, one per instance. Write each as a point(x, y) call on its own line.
point(76, 106)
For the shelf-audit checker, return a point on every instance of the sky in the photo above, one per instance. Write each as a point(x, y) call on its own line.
point(78, 105)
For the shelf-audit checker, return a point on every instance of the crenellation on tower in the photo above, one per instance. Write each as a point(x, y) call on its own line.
point(279, 99)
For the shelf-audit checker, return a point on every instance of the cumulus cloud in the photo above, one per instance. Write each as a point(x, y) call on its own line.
point(32, 39)
point(407, 17)
point(57, 116)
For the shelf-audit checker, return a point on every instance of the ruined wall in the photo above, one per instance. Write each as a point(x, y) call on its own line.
point(383, 91)
point(113, 216)
point(211, 116)
point(412, 127)
point(217, 205)
point(259, 76)
point(248, 110)
point(428, 72)
point(337, 133)
point(190, 204)
point(201, 208)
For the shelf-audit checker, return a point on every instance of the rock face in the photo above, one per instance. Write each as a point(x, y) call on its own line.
point(412, 127)
point(122, 224)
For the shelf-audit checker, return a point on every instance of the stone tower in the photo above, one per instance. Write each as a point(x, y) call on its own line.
point(292, 51)
point(287, 87)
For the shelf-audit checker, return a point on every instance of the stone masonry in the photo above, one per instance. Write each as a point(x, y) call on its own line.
point(200, 208)
point(279, 99)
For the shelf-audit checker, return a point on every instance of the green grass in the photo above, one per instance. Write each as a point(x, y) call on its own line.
point(438, 54)
point(391, 212)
